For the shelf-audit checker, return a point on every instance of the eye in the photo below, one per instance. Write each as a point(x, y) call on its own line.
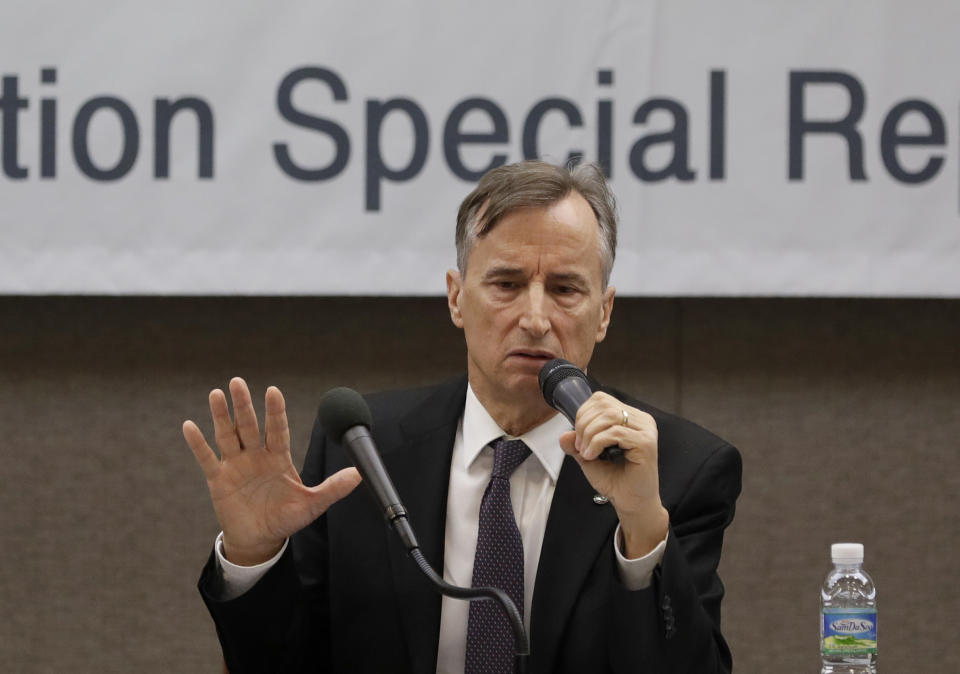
point(566, 289)
point(506, 285)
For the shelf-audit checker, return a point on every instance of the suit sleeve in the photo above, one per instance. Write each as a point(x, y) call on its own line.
point(282, 623)
point(684, 599)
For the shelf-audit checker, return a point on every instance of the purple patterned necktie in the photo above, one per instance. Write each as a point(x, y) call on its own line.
point(499, 562)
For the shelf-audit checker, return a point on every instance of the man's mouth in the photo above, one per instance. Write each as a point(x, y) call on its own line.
point(538, 355)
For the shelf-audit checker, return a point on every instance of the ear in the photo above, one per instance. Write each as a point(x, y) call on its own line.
point(606, 310)
point(454, 286)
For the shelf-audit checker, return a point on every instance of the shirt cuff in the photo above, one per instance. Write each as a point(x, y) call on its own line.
point(637, 574)
point(236, 579)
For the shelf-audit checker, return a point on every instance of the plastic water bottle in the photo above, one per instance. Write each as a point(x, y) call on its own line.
point(848, 614)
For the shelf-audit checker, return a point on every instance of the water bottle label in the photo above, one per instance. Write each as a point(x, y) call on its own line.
point(849, 631)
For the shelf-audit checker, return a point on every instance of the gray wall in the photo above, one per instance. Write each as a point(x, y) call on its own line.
point(847, 413)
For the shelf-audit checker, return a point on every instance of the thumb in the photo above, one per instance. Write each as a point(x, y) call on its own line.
point(334, 488)
point(568, 443)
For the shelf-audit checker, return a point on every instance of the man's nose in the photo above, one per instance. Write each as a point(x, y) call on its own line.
point(534, 318)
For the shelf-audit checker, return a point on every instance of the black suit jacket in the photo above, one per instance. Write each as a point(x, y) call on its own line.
point(346, 598)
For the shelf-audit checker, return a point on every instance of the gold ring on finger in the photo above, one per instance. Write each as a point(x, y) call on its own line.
point(626, 417)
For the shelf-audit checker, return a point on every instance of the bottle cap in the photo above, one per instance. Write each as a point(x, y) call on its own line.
point(851, 553)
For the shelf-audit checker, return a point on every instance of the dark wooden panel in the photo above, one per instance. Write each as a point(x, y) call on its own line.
point(847, 413)
point(106, 520)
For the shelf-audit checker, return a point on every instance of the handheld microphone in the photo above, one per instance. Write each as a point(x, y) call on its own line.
point(346, 418)
point(565, 388)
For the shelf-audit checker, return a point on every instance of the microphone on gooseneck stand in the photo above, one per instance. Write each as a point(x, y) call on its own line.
point(565, 388)
point(346, 418)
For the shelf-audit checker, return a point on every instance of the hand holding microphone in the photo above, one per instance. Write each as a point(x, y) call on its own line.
point(565, 388)
point(629, 473)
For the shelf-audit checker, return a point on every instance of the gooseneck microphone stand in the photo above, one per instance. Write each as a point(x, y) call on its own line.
point(347, 420)
point(522, 645)
point(398, 519)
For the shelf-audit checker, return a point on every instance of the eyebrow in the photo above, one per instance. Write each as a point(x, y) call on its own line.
point(569, 276)
point(502, 270)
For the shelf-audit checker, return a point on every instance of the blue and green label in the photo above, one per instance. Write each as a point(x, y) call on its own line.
point(849, 631)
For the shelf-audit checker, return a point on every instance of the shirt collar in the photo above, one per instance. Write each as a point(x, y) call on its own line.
point(479, 430)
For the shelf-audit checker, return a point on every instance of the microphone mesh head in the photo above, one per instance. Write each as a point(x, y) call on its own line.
point(340, 410)
point(555, 371)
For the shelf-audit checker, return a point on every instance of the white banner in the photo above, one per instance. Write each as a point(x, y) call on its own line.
point(756, 147)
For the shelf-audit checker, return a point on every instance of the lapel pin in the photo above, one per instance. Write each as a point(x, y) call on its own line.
point(600, 499)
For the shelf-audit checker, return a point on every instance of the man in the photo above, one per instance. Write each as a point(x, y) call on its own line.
point(618, 559)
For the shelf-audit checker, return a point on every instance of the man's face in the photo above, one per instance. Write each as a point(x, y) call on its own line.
point(532, 292)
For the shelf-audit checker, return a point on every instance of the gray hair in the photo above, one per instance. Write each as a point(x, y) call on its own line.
point(536, 184)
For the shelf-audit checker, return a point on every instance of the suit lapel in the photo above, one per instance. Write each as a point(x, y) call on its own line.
point(420, 468)
point(577, 528)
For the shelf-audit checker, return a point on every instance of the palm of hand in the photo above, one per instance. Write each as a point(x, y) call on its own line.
point(257, 494)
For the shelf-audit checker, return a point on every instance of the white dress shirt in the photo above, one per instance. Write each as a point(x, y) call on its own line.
point(531, 493)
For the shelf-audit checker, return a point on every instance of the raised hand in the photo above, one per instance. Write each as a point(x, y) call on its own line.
point(257, 493)
point(632, 486)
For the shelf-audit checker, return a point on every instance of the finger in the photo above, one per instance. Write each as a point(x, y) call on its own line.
point(584, 415)
point(600, 434)
point(608, 437)
point(276, 429)
point(568, 442)
point(638, 444)
point(244, 416)
point(596, 419)
point(224, 432)
point(205, 456)
point(594, 407)
point(636, 419)
point(333, 489)
point(607, 429)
